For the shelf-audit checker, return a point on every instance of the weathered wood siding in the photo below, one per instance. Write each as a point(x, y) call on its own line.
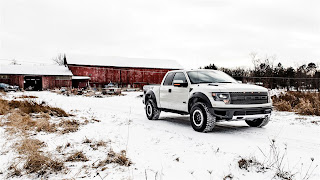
point(136, 77)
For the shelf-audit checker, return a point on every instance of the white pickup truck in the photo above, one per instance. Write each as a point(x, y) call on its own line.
point(208, 96)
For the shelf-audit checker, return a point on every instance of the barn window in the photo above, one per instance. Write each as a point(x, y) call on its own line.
point(63, 78)
point(4, 77)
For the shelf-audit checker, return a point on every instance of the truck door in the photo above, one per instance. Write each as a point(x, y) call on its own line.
point(165, 91)
point(179, 95)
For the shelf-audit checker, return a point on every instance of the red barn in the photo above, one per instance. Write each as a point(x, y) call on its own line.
point(38, 77)
point(135, 72)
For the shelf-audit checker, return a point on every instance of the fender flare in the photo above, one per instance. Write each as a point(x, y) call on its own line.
point(150, 95)
point(198, 97)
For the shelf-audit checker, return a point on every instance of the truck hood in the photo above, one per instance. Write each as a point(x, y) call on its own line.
point(233, 87)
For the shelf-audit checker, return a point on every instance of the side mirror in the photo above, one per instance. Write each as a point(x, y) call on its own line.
point(179, 83)
point(240, 82)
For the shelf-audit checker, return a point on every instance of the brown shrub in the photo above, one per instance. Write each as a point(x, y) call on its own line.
point(4, 107)
point(283, 106)
point(87, 141)
point(304, 107)
point(57, 112)
point(118, 158)
point(69, 126)
point(45, 125)
point(98, 144)
point(36, 162)
point(14, 171)
point(29, 107)
point(304, 103)
point(27, 146)
point(101, 143)
point(24, 122)
point(41, 164)
point(20, 121)
point(77, 156)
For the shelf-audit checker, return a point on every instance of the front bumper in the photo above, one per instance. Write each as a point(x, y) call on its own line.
point(241, 113)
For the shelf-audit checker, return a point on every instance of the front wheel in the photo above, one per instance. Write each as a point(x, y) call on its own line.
point(258, 122)
point(201, 119)
point(152, 111)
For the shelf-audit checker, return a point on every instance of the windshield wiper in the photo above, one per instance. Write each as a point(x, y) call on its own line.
point(224, 82)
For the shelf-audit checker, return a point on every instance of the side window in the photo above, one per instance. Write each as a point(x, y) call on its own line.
point(180, 76)
point(168, 80)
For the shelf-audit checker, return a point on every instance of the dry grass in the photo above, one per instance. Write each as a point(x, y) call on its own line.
point(35, 160)
point(27, 146)
point(87, 141)
point(28, 107)
point(3, 93)
point(77, 156)
point(275, 160)
point(20, 121)
point(97, 144)
point(4, 106)
point(41, 164)
point(118, 158)
point(304, 103)
point(24, 117)
point(26, 97)
point(45, 125)
point(14, 171)
point(69, 126)
point(244, 163)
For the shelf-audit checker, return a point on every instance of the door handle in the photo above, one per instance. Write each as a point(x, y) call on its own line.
point(169, 90)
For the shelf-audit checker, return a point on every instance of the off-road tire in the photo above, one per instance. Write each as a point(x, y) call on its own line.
point(152, 111)
point(258, 122)
point(201, 118)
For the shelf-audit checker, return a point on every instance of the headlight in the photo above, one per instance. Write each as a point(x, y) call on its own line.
point(225, 97)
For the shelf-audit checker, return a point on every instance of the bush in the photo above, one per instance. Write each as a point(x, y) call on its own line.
point(304, 103)
point(77, 156)
point(118, 158)
point(35, 160)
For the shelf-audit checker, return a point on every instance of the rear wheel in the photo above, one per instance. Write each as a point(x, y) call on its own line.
point(152, 111)
point(258, 122)
point(201, 119)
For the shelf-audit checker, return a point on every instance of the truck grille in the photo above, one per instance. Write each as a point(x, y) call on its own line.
point(249, 97)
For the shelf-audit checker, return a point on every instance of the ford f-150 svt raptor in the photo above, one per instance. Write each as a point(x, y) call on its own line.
point(208, 96)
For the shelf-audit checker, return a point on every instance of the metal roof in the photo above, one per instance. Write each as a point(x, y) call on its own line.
point(50, 70)
point(114, 61)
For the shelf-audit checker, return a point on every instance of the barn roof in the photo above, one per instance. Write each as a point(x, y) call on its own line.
point(50, 70)
point(115, 61)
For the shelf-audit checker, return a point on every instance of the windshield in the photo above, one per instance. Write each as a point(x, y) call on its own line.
point(197, 77)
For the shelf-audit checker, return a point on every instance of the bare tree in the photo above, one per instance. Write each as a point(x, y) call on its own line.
point(254, 59)
point(14, 62)
point(60, 59)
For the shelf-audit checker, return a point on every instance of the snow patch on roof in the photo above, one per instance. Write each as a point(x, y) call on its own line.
point(80, 77)
point(115, 61)
point(51, 70)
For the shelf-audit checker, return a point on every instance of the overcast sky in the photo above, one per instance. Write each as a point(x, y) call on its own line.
point(193, 32)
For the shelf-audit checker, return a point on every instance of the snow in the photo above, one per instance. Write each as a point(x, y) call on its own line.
point(169, 148)
point(80, 77)
point(50, 70)
point(115, 61)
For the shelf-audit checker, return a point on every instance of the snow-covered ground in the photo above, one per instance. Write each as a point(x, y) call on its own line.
point(170, 149)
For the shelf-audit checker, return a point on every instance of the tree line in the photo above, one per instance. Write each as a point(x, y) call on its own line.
point(304, 77)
